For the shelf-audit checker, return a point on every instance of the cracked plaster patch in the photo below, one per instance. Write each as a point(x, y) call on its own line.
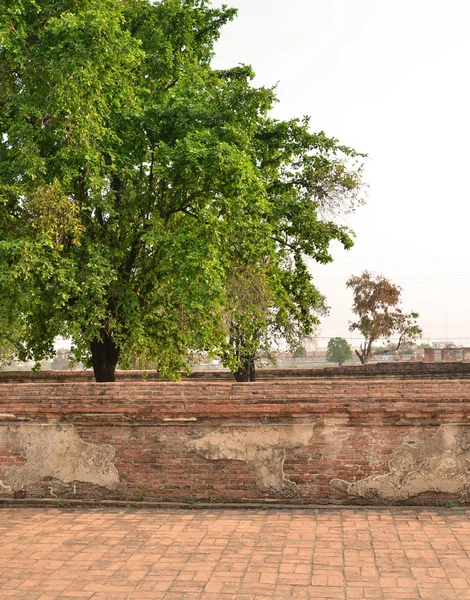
point(440, 464)
point(56, 451)
point(262, 447)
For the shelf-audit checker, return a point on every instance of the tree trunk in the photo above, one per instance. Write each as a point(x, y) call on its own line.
point(241, 375)
point(104, 357)
point(252, 371)
point(246, 373)
point(361, 357)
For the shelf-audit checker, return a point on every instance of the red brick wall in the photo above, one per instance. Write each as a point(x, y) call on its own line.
point(382, 370)
point(356, 428)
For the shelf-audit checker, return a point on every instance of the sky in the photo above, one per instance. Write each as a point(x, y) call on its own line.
point(389, 79)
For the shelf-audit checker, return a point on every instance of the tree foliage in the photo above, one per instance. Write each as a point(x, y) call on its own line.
point(11, 335)
point(338, 351)
point(305, 180)
point(135, 180)
point(266, 307)
point(376, 303)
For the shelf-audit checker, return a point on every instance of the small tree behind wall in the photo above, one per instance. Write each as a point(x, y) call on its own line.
point(376, 303)
point(338, 351)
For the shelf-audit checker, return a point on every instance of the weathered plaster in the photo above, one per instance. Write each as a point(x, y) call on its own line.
point(262, 447)
point(56, 451)
point(441, 464)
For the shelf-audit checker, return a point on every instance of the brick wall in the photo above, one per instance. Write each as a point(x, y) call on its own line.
point(392, 370)
point(299, 441)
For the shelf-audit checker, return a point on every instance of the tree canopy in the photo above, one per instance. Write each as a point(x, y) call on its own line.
point(136, 181)
point(376, 302)
point(338, 350)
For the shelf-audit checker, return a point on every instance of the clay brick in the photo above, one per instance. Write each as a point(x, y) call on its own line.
point(357, 427)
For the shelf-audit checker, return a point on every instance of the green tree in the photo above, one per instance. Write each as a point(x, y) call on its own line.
point(133, 177)
point(123, 169)
point(308, 180)
point(299, 352)
point(265, 307)
point(338, 351)
point(407, 348)
point(376, 302)
point(384, 349)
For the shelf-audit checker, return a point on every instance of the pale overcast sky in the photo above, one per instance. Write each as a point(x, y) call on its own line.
point(389, 78)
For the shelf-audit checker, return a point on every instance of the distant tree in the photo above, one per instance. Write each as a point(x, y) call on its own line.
point(300, 352)
point(384, 349)
point(376, 303)
point(338, 351)
point(392, 349)
point(265, 307)
point(408, 348)
point(246, 315)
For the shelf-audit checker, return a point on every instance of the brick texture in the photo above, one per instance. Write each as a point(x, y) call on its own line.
point(357, 428)
point(382, 553)
point(379, 370)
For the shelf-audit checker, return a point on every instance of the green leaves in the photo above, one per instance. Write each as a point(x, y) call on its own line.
point(135, 179)
point(338, 350)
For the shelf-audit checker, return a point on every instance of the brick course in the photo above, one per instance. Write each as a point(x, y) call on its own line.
point(379, 370)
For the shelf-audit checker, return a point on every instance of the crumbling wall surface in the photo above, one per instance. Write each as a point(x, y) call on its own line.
point(289, 441)
point(55, 452)
point(439, 464)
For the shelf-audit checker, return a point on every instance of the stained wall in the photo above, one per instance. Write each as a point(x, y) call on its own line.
point(288, 441)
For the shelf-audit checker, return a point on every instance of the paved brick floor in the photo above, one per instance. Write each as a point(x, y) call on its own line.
point(225, 554)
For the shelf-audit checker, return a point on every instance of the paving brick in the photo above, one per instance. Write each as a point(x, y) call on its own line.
point(347, 554)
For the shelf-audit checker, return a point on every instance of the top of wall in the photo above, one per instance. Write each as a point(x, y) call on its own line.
point(381, 370)
point(399, 402)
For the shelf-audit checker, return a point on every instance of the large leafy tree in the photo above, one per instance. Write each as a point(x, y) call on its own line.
point(376, 302)
point(123, 167)
point(133, 177)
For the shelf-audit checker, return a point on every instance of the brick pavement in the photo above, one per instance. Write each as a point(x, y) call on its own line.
point(391, 554)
